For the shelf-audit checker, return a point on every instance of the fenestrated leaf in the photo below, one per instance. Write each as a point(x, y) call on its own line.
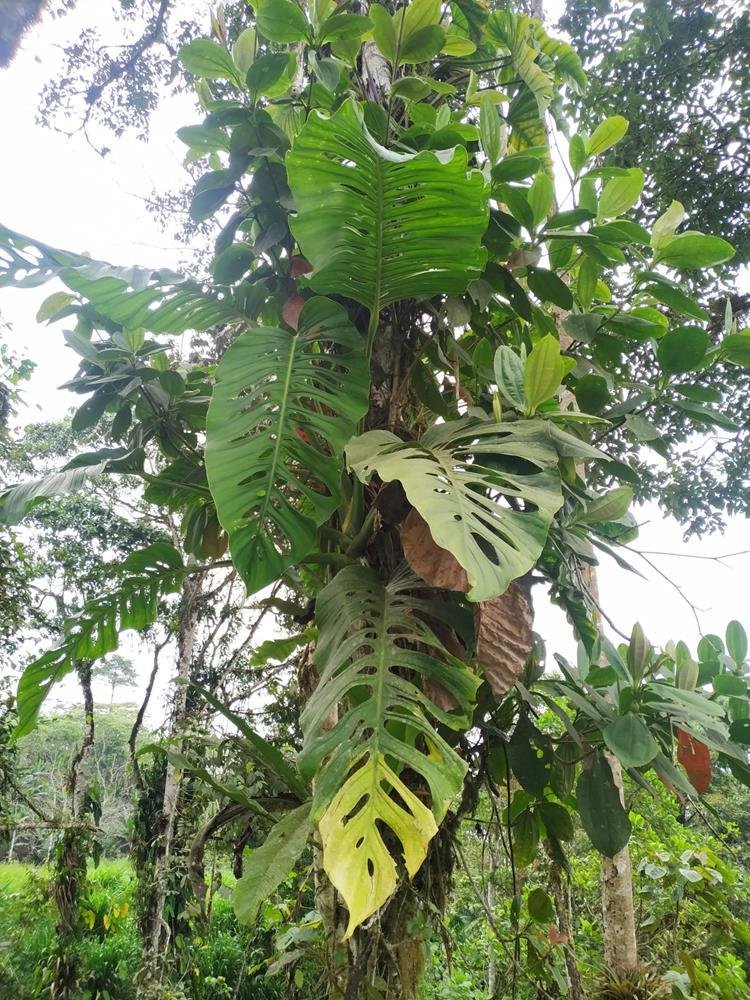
point(378, 225)
point(273, 485)
point(370, 641)
point(455, 476)
point(269, 864)
point(144, 577)
point(603, 815)
point(629, 739)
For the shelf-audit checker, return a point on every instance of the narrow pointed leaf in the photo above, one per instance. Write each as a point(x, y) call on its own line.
point(269, 864)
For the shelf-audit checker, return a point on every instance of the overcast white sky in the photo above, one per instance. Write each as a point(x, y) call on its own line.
point(59, 190)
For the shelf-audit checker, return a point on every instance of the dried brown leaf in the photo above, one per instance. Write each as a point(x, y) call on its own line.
point(503, 637)
point(436, 566)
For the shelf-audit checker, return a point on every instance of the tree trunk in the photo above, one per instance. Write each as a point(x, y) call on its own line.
point(618, 911)
point(156, 931)
point(70, 857)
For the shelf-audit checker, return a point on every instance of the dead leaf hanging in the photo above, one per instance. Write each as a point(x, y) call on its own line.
point(503, 637)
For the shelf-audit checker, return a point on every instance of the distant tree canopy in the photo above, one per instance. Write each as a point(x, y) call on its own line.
point(16, 16)
point(679, 71)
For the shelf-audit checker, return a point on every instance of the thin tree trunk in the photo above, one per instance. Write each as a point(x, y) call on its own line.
point(618, 911)
point(70, 857)
point(492, 961)
point(156, 931)
point(565, 927)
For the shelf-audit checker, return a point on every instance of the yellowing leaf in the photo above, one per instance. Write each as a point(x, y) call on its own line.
point(355, 856)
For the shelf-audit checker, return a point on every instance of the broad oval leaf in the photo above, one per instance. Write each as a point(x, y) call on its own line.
point(379, 226)
point(631, 742)
point(369, 643)
point(605, 135)
point(543, 372)
point(602, 813)
point(683, 349)
point(282, 410)
point(509, 376)
point(456, 475)
point(206, 58)
point(621, 193)
point(282, 21)
point(694, 250)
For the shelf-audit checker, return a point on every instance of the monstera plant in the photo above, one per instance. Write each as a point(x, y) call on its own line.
point(430, 344)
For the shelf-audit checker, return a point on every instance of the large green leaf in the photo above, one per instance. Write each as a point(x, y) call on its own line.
point(145, 576)
point(133, 297)
point(269, 864)
point(379, 226)
point(459, 476)
point(374, 655)
point(283, 408)
point(603, 815)
point(513, 33)
point(17, 500)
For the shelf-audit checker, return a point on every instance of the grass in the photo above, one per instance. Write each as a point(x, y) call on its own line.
point(13, 876)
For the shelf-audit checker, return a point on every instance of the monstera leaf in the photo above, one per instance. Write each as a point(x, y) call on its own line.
point(487, 491)
point(282, 410)
point(370, 641)
point(379, 226)
point(144, 577)
point(133, 297)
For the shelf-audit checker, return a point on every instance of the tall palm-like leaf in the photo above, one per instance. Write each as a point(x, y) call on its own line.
point(372, 653)
point(145, 577)
point(379, 226)
point(488, 492)
point(283, 408)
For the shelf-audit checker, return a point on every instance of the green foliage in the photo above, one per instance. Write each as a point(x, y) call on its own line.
point(263, 427)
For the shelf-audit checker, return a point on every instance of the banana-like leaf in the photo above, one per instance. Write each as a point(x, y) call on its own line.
point(133, 297)
point(269, 864)
point(379, 226)
point(283, 408)
point(487, 491)
point(373, 652)
point(146, 576)
point(514, 33)
point(17, 500)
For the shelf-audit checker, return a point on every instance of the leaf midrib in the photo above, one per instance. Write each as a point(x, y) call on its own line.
point(277, 448)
